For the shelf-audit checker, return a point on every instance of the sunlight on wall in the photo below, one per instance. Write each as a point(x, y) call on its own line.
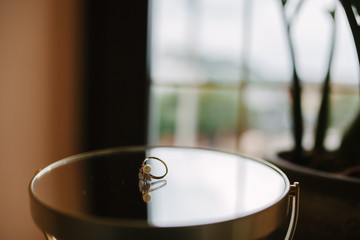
point(37, 95)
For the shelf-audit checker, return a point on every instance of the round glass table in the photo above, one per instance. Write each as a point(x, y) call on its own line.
point(161, 193)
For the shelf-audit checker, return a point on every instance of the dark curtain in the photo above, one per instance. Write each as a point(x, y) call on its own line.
point(115, 90)
point(115, 83)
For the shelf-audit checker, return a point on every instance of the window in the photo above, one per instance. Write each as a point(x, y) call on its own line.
point(221, 70)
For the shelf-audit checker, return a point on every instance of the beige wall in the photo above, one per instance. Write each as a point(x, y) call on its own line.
point(38, 101)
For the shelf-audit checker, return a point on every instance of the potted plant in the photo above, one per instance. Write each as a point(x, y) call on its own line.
point(329, 180)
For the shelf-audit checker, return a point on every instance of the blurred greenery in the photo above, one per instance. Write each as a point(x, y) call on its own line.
point(217, 112)
point(167, 102)
point(218, 109)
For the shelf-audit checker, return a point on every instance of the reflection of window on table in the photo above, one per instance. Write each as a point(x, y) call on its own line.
point(220, 73)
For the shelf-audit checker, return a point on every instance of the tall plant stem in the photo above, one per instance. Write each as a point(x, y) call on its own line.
point(323, 115)
point(297, 118)
point(355, 29)
point(349, 143)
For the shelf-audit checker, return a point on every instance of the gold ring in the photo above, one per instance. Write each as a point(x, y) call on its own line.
point(146, 169)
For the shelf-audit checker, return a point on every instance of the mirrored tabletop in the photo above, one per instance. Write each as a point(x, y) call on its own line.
point(189, 193)
point(201, 187)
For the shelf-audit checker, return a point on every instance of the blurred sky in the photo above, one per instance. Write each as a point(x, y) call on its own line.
point(218, 31)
